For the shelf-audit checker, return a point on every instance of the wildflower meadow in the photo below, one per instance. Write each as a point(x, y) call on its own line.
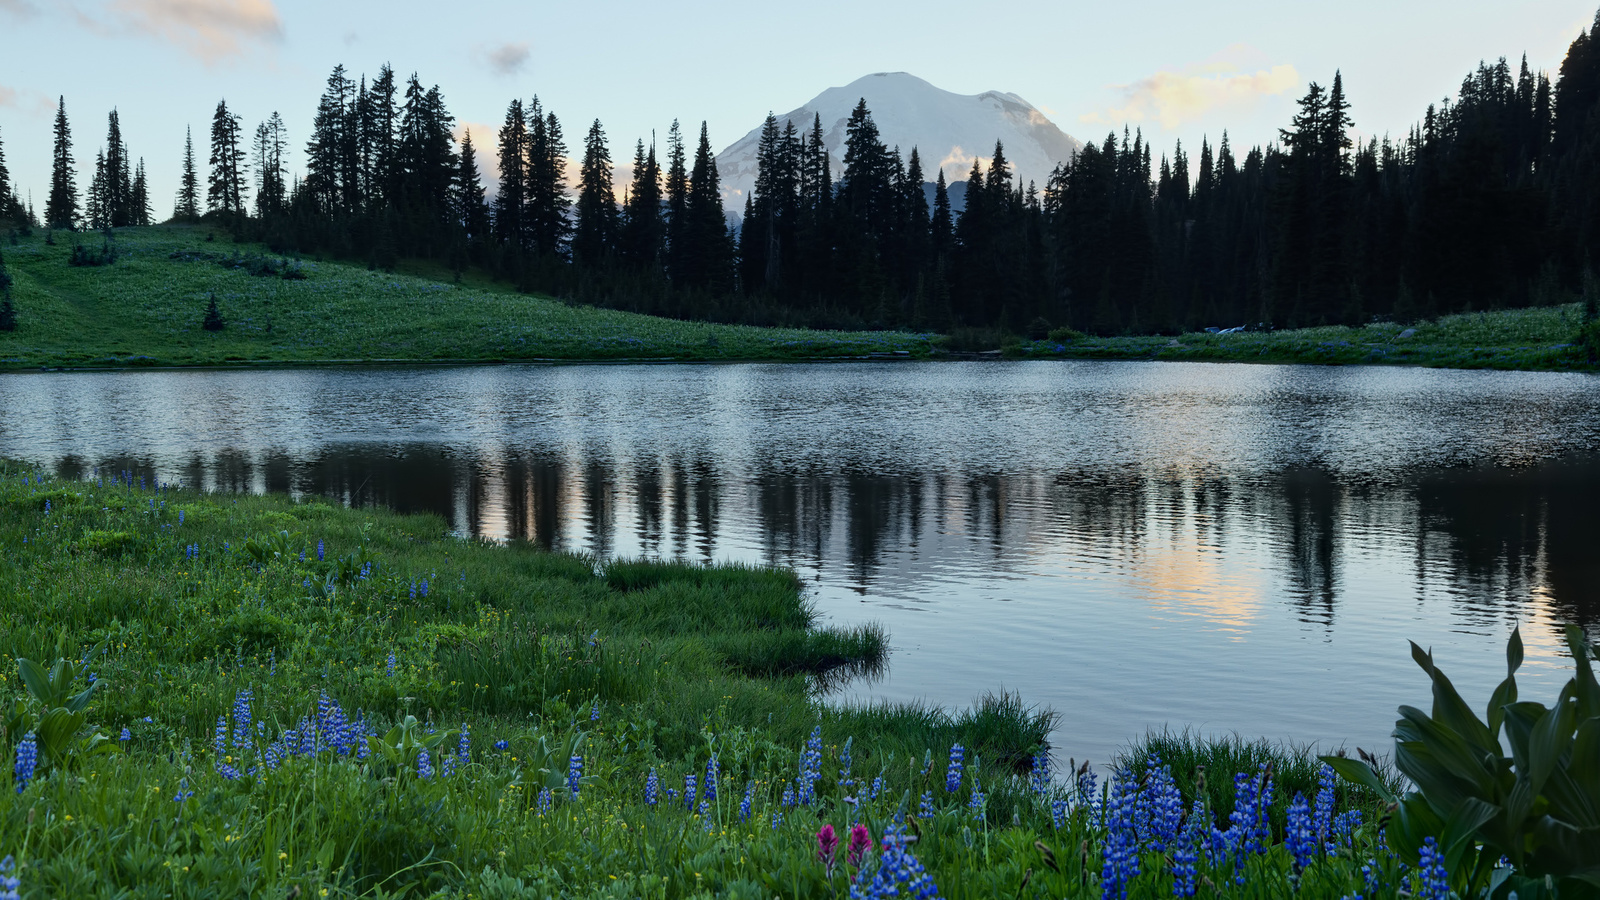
point(245, 696)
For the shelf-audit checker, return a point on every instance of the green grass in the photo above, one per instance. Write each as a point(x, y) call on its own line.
point(1542, 338)
point(146, 309)
point(178, 601)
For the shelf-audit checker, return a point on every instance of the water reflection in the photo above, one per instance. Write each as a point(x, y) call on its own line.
point(1231, 547)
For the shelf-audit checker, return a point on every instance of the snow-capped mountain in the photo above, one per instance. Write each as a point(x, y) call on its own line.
point(949, 131)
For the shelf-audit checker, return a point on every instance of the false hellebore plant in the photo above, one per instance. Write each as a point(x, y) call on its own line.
point(1538, 808)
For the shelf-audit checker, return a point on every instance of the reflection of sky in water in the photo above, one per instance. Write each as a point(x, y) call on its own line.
point(1236, 548)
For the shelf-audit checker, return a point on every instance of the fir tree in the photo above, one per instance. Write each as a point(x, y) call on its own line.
point(139, 197)
point(643, 235)
point(595, 237)
point(96, 207)
point(547, 194)
point(709, 251)
point(187, 207)
point(7, 198)
point(330, 150)
point(379, 124)
point(510, 204)
point(267, 152)
point(118, 177)
point(471, 210)
point(213, 320)
point(225, 194)
point(61, 209)
point(678, 238)
point(8, 313)
point(942, 230)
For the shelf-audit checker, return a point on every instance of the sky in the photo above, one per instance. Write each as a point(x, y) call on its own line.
point(1177, 70)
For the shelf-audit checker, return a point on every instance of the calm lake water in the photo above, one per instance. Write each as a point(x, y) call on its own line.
point(1231, 548)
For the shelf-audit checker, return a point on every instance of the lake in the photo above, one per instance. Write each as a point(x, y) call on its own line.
point(1225, 547)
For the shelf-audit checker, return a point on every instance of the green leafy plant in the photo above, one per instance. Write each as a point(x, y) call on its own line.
point(1539, 807)
point(63, 709)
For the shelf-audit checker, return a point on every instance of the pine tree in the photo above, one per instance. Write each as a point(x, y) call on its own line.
point(471, 210)
point(61, 209)
point(329, 152)
point(643, 235)
point(942, 229)
point(139, 197)
point(226, 192)
point(267, 153)
point(710, 252)
point(7, 199)
point(510, 204)
point(379, 127)
point(187, 207)
point(213, 320)
point(95, 210)
point(547, 194)
point(678, 238)
point(10, 201)
point(595, 237)
point(118, 177)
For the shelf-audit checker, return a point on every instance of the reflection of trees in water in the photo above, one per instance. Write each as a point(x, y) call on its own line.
point(1500, 535)
point(1495, 537)
point(1310, 501)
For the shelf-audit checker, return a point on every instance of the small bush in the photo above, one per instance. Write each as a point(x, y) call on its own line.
point(83, 256)
point(1064, 335)
point(213, 321)
point(1038, 329)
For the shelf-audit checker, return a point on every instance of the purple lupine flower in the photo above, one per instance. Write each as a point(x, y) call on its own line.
point(27, 761)
point(952, 775)
point(1300, 835)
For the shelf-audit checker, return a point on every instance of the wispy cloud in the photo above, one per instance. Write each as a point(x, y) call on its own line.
point(508, 59)
point(19, 8)
point(210, 30)
point(32, 102)
point(1175, 97)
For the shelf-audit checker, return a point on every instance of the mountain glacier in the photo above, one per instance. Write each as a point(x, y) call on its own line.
point(949, 130)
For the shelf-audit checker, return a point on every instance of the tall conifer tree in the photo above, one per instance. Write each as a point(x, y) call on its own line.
point(225, 194)
point(61, 209)
point(471, 209)
point(642, 231)
point(595, 237)
point(510, 204)
point(187, 206)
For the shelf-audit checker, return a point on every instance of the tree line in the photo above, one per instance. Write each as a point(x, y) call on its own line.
point(1491, 200)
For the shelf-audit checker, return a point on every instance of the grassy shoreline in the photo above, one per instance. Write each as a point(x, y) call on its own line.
point(145, 310)
point(299, 699)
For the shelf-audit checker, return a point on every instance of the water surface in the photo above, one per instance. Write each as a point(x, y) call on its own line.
point(1137, 545)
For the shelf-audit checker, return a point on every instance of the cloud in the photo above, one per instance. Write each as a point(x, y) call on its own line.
point(210, 30)
point(508, 59)
point(18, 8)
point(32, 102)
point(1173, 98)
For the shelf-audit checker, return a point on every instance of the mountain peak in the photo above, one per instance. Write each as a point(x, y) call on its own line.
point(949, 130)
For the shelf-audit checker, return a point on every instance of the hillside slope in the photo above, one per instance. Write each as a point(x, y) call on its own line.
point(147, 308)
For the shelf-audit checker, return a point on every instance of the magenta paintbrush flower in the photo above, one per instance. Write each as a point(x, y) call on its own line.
point(860, 843)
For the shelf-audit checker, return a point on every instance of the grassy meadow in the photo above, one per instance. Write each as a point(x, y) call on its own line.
point(241, 696)
point(148, 305)
point(1540, 338)
point(147, 308)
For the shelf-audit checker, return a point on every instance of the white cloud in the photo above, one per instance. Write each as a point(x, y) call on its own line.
point(1174, 98)
point(210, 30)
point(508, 59)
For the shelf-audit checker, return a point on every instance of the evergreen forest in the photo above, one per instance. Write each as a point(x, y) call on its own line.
point(1490, 201)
